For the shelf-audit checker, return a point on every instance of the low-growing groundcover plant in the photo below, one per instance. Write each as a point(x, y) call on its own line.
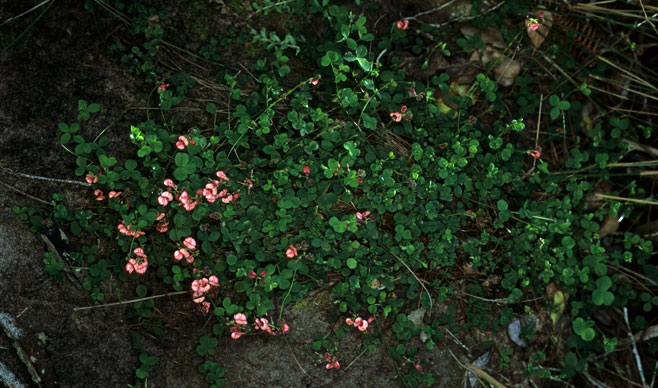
point(420, 202)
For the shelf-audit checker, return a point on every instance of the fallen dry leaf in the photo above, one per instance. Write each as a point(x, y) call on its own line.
point(507, 70)
point(609, 225)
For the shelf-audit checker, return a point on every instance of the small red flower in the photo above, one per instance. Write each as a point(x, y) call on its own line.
point(535, 154)
point(402, 24)
point(397, 116)
point(306, 170)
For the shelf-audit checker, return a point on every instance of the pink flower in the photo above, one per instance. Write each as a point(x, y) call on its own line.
point(359, 323)
point(205, 307)
point(99, 195)
point(397, 116)
point(214, 282)
point(418, 367)
point(306, 170)
point(291, 252)
point(254, 275)
point(160, 216)
point(362, 216)
point(139, 252)
point(236, 332)
point(190, 243)
point(285, 328)
point(221, 175)
point(162, 227)
point(165, 197)
point(262, 324)
point(137, 266)
point(536, 154)
point(315, 81)
point(182, 142)
point(240, 319)
point(91, 178)
point(403, 109)
point(534, 23)
point(169, 183)
point(402, 24)
point(114, 194)
point(181, 254)
point(197, 297)
point(123, 229)
point(332, 362)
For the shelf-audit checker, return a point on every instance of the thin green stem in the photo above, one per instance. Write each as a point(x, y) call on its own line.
point(292, 282)
point(27, 29)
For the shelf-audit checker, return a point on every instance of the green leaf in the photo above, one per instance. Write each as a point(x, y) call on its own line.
point(180, 174)
point(555, 113)
point(141, 291)
point(554, 100)
point(502, 205)
point(107, 162)
point(182, 159)
point(130, 164)
point(211, 108)
point(351, 263)
point(93, 108)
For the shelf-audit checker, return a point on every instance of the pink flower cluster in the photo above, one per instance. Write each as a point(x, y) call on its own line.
point(91, 178)
point(210, 192)
point(332, 362)
point(534, 23)
point(183, 142)
point(161, 226)
point(535, 153)
point(254, 275)
point(183, 253)
point(240, 322)
point(291, 252)
point(201, 287)
point(402, 24)
point(123, 229)
point(101, 196)
point(419, 96)
point(359, 323)
point(397, 116)
point(139, 264)
point(364, 217)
